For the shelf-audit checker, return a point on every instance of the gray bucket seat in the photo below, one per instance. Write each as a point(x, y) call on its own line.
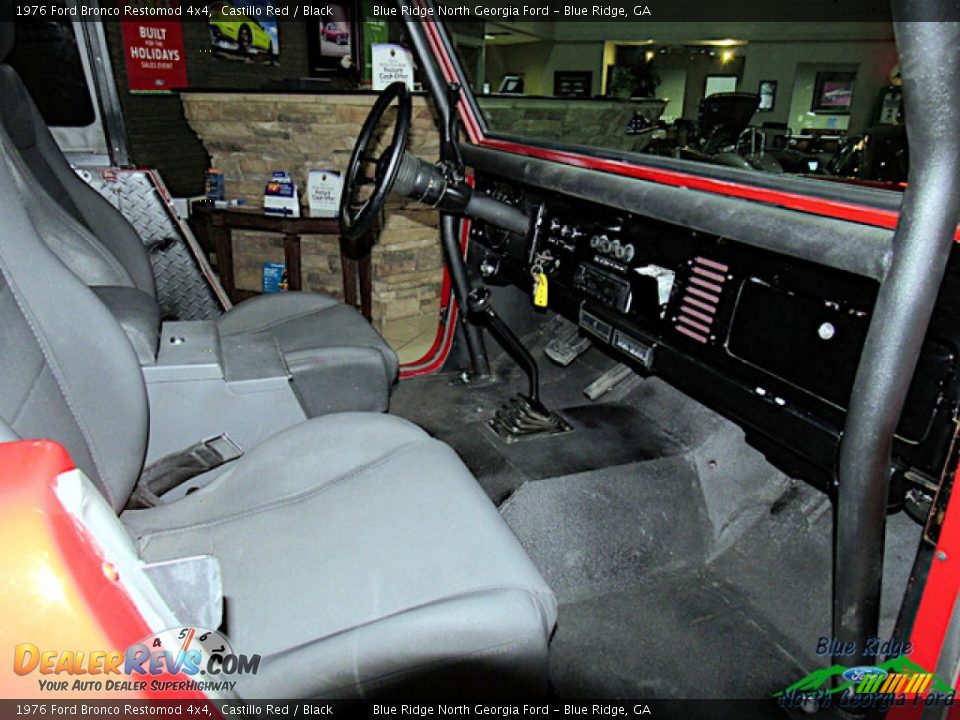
point(336, 360)
point(358, 555)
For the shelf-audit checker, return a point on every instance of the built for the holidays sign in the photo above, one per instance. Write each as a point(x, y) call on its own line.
point(391, 63)
point(156, 61)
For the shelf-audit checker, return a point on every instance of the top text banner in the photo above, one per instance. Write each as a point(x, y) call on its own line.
point(504, 11)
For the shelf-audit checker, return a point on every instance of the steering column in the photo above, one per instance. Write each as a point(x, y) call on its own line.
point(442, 186)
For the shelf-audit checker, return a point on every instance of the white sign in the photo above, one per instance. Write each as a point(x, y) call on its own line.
point(391, 63)
point(280, 196)
point(323, 191)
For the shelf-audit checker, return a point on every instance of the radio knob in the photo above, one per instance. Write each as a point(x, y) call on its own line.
point(605, 244)
point(595, 242)
point(628, 252)
point(617, 250)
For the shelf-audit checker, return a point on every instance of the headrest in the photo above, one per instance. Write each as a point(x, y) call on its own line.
point(6, 31)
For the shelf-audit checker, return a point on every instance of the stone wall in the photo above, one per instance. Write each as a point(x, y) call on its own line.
point(249, 136)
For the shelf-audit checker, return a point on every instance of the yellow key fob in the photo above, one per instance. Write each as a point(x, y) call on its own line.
point(540, 289)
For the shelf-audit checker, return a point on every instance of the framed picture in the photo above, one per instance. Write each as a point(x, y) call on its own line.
point(719, 84)
point(768, 95)
point(333, 40)
point(239, 32)
point(572, 83)
point(891, 106)
point(833, 93)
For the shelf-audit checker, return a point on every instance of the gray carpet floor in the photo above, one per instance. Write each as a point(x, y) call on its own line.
point(684, 564)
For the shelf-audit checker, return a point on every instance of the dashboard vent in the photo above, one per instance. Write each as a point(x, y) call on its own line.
point(700, 300)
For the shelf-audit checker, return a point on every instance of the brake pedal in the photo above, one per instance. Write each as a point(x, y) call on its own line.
point(568, 347)
point(606, 382)
point(564, 353)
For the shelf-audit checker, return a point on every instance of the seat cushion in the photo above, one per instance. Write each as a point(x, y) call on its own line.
point(337, 360)
point(360, 557)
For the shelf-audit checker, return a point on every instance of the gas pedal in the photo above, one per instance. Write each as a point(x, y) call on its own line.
point(608, 381)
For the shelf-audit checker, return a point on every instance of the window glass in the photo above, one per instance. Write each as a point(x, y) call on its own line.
point(48, 61)
point(794, 98)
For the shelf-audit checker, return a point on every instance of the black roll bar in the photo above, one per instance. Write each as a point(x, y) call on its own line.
point(922, 243)
point(449, 225)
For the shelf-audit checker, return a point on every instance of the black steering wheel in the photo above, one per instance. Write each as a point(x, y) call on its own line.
point(357, 212)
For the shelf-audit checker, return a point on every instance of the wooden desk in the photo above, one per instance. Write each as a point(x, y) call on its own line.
point(214, 227)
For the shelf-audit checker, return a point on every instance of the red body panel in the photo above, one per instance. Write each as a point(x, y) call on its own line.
point(58, 591)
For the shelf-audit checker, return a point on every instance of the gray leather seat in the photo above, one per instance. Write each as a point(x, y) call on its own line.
point(392, 560)
point(336, 359)
point(359, 556)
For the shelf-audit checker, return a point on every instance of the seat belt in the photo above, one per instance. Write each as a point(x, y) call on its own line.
point(170, 471)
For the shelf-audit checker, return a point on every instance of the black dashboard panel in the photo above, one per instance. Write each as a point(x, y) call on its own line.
point(807, 341)
point(770, 340)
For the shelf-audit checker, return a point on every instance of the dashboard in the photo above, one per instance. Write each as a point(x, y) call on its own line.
point(771, 341)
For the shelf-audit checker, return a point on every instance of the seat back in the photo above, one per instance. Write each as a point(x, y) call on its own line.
point(30, 138)
point(78, 249)
point(67, 371)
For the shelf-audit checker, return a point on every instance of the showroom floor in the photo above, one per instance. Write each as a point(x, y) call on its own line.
point(410, 337)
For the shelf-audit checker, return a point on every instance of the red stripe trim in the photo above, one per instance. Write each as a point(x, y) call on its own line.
point(694, 313)
point(691, 333)
point(694, 324)
point(707, 274)
point(700, 304)
point(788, 200)
point(705, 295)
point(708, 285)
point(712, 264)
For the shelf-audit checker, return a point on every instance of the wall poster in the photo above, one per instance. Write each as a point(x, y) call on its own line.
point(241, 31)
point(333, 40)
point(154, 54)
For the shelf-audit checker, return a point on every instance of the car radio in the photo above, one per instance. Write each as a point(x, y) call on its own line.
point(607, 289)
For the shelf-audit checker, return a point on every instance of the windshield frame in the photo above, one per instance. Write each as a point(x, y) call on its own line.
point(847, 201)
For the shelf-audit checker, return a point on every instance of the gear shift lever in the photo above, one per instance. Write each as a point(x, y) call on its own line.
point(524, 415)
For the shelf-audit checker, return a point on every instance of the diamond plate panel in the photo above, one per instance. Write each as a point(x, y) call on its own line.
point(183, 289)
